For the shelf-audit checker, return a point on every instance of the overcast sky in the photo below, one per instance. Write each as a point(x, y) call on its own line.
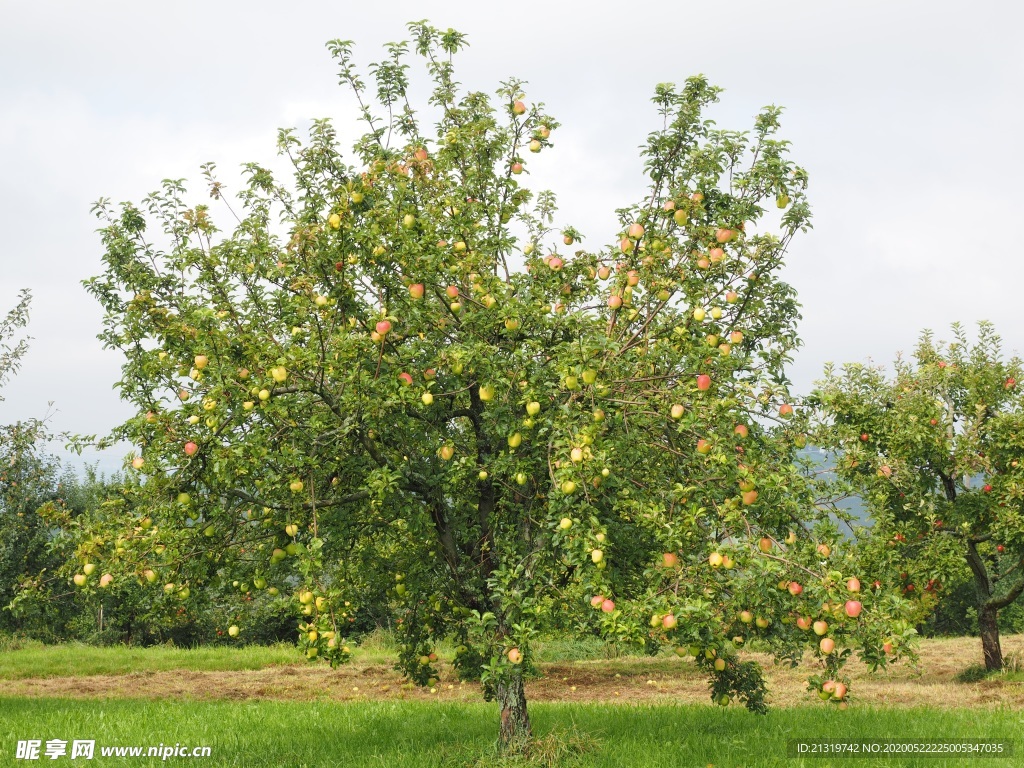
point(907, 115)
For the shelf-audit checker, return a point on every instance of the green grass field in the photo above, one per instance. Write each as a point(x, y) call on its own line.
point(418, 734)
point(311, 726)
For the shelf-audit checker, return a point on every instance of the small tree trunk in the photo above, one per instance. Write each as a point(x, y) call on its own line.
point(988, 624)
point(515, 722)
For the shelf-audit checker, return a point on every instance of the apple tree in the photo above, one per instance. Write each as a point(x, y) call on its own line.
point(937, 452)
point(399, 368)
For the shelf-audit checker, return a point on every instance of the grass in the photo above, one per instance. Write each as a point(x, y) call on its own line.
point(446, 735)
point(74, 659)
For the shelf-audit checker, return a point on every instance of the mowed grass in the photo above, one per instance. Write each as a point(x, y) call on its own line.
point(74, 659)
point(443, 734)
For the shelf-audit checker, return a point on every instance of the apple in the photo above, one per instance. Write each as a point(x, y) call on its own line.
point(614, 301)
point(264, 394)
point(804, 622)
point(191, 448)
point(746, 617)
point(853, 608)
point(741, 430)
point(233, 631)
point(446, 452)
point(669, 560)
point(762, 622)
point(724, 235)
point(184, 499)
point(820, 627)
point(785, 410)
point(749, 497)
point(521, 478)
point(416, 290)
point(827, 645)
point(79, 579)
point(279, 373)
point(716, 313)
point(823, 550)
point(517, 168)
point(1010, 383)
point(853, 585)
point(608, 606)
point(533, 408)
point(482, 475)
point(596, 600)
point(201, 361)
point(486, 393)
point(703, 447)
point(535, 146)
point(568, 487)
point(589, 376)
point(576, 455)
point(635, 231)
point(106, 580)
point(795, 588)
point(596, 555)
point(295, 486)
point(840, 692)
point(727, 562)
point(887, 647)
point(515, 655)
point(137, 462)
point(669, 622)
point(715, 559)
point(987, 488)
point(703, 382)
point(515, 440)
point(565, 524)
point(89, 569)
point(719, 666)
point(604, 272)
point(426, 398)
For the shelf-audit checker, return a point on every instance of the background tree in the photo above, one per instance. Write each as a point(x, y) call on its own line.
point(936, 451)
point(405, 364)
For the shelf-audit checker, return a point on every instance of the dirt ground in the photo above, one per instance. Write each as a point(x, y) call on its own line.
point(635, 680)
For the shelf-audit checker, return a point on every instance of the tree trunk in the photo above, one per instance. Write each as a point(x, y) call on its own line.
point(988, 624)
point(515, 722)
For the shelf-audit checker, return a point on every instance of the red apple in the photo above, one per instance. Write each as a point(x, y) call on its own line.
point(405, 378)
point(416, 290)
point(827, 645)
point(635, 231)
point(191, 448)
point(853, 608)
point(703, 446)
point(741, 430)
point(987, 488)
point(703, 382)
point(820, 627)
point(614, 301)
point(853, 585)
point(785, 410)
point(596, 600)
point(864, 437)
point(795, 588)
point(669, 560)
point(608, 606)
point(749, 497)
point(804, 622)
point(452, 291)
point(383, 327)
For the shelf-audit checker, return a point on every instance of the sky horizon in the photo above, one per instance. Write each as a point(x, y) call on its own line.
point(906, 117)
